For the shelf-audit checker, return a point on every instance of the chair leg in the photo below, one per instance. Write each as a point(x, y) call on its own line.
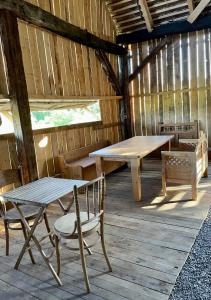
point(194, 192)
point(25, 237)
point(164, 185)
point(6, 228)
point(83, 262)
point(58, 257)
point(87, 249)
point(103, 245)
point(48, 229)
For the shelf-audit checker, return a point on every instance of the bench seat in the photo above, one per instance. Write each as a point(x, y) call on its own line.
point(83, 162)
point(77, 164)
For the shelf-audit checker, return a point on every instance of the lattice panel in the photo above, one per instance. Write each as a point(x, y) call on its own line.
point(188, 146)
point(177, 162)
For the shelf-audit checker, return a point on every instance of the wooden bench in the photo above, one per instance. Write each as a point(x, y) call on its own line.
point(186, 166)
point(77, 164)
point(189, 130)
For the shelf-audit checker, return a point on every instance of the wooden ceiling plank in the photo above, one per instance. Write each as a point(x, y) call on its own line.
point(162, 30)
point(130, 25)
point(124, 8)
point(146, 14)
point(161, 4)
point(170, 15)
point(118, 16)
point(171, 9)
point(129, 19)
point(198, 10)
point(117, 3)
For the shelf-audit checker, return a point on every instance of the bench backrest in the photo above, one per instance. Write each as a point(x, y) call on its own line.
point(83, 152)
point(187, 130)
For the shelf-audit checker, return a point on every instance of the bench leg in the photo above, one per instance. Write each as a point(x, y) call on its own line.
point(205, 173)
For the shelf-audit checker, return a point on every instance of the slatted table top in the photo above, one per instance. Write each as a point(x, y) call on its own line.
point(135, 147)
point(43, 191)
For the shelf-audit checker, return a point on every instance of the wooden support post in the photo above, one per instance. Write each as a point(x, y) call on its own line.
point(108, 69)
point(125, 110)
point(18, 94)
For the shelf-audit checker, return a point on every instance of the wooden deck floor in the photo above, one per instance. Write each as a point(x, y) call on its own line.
point(147, 242)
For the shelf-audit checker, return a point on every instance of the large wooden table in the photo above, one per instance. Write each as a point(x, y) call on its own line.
point(132, 151)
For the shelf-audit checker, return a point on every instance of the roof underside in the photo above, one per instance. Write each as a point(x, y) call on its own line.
point(130, 15)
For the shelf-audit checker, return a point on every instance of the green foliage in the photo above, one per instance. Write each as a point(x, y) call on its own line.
point(54, 118)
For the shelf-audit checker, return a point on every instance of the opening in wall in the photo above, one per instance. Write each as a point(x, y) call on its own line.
point(46, 118)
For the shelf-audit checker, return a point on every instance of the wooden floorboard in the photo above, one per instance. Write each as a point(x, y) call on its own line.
point(147, 242)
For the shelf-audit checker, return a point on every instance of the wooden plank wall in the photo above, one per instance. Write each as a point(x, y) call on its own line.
point(56, 67)
point(175, 86)
point(53, 141)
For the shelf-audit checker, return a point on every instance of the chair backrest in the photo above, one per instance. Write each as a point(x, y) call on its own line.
point(10, 176)
point(93, 205)
point(7, 178)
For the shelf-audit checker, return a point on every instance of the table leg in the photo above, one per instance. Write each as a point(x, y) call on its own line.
point(32, 236)
point(169, 145)
point(99, 166)
point(135, 173)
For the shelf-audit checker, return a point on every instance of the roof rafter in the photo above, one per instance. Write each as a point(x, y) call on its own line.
point(197, 11)
point(146, 14)
point(190, 5)
point(177, 27)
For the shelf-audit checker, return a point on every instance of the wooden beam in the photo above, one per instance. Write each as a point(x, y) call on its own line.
point(18, 94)
point(146, 14)
point(41, 18)
point(198, 10)
point(125, 106)
point(190, 5)
point(163, 30)
point(149, 57)
point(108, 69)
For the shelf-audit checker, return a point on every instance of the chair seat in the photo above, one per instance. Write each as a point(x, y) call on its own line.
point(30, 212)
point(66, 224)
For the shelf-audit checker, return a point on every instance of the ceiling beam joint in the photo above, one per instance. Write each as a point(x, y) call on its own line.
point(198, 10)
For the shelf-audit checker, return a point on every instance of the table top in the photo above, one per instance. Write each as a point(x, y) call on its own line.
point(43, 191)
point(135, 147)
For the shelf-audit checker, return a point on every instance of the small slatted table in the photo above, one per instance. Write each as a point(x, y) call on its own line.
point(131, 150)
point(40, 193)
